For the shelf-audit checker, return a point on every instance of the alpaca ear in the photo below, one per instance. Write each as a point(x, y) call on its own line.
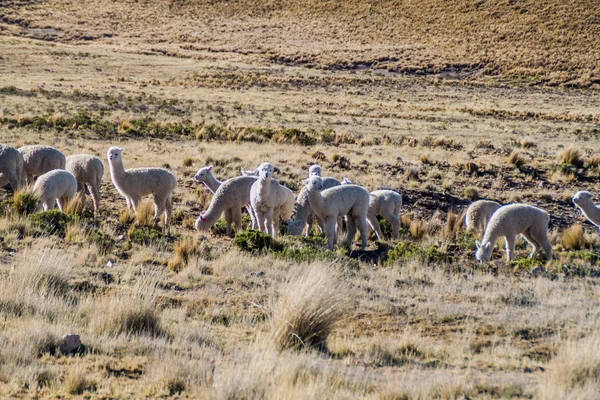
point(487, 246)
point(209, 168)
point(120, 148)
point(305, 181)
point(477, 244)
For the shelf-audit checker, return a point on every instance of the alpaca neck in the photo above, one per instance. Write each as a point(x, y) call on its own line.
point(316, 202)
point(302, 208)
point(591, 212)
point(117, 171)
point(491, 236)
point(212, 183)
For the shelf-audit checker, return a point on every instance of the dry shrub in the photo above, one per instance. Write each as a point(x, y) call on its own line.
point(77, 205)
point(471, 193)
point(144, 216)
point(426, 160)
point(593, 161)
point(454, 222)
point(126, 217)
point(517, 158)
point(24, 201)
point(188, 161)
point(484, 144)
point(319, 156)
point(573, 238)
point(575, 371)
point(184, 249)
point(471, 167)
point(528, 144)
point(571, 156)
point(310, 304)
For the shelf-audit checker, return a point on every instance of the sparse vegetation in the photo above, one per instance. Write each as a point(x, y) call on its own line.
point(571, 156)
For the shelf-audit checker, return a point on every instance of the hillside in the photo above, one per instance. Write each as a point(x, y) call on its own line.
point(527, 42)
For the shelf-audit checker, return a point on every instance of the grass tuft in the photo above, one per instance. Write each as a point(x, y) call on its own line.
point(571, 156)
point(310, 305)
point(573, 238)
point(517, 158)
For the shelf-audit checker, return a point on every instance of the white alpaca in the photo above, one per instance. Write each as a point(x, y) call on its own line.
point(135, 183)
point(387, 204)
point(351, 201)
point(55, 187)
point(39, 159)
point(270, 200)
point(304, 213)
point(314, 170)
point(88, 171)
point(510, 221)
point(584, 200)
point(11, 166)
point(205, 175)
point(478, 215)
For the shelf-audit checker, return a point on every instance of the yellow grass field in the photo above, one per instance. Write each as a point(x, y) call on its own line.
point(444, 102)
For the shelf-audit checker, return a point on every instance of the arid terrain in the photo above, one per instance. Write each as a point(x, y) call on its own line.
point(445, 102)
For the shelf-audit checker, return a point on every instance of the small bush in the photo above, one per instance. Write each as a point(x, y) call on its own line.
point(103, 241)
point(255, 242)
point(52, 222)
point(24, 202)
point(573, 238)
point(517, 159)
point(471, 193)
point(188, 162)
point(571, 156)
point(310, 305)
point(404, 250)
point(144, 235)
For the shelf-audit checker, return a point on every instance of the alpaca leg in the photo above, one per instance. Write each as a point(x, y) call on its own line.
point(228, 220)
point(340, 226)
point(509, 245)
point(13, 180)
point(363, 228)
point(540, 234)
point(168, 209)
point(351, 231)
point(330, 232)
point(159, 208)
point(374, 224)
point(236, 214)
point(276, 214)
point(310, 221)
point(395, 222)
point(50, 204)
point(61, 203)
point(269, 222)
point(95, 197)
point(321, 224)
point(531, 240)
point(253, 224)
point(134, 203)
point(260, 218)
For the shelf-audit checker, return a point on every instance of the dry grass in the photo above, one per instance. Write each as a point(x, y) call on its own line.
point(573, 238)
point(572, 156)
point(517, 159)
point(310, 305)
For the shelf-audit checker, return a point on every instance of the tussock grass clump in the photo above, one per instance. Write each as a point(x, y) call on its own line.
point(528, 144)
point(471, 193)
point(77, 383)
point(78, 206)
point(412, 173)
point(24, 202)
point(455, 222)
point(517, 159)
point(132, 313)
point(572, 156)
point(187, 162)
point(310, 305)
point(184, 249)
point(593, 161)
point(144, 216)
point(573, 238)
point(255, 242)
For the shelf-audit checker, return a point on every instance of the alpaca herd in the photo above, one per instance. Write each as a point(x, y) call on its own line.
point(56, 179)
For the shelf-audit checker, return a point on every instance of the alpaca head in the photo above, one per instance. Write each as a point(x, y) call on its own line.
point(265, 171)
point(314, 170)
point(201, 224)
point(293, 227)
point(583, 198)
point(346, 181)
point(203, 173)
point(484, 251)
point(314, 183)
point(114, 153)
